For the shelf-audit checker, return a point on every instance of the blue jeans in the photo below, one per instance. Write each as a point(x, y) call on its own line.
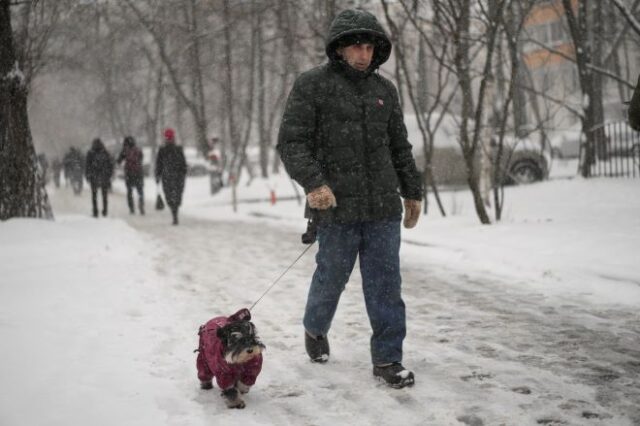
point(378, 244)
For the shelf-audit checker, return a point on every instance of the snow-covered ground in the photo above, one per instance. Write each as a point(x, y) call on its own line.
point(533, 320)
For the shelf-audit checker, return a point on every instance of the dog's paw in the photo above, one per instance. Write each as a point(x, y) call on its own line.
point(240, 405)
point(232, 398)
point(242, 387)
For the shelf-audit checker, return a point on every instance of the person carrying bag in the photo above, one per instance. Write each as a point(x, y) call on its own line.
point(159, 200)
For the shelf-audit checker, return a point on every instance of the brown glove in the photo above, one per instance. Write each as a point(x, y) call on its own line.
point(321, 198)
point(411, 213)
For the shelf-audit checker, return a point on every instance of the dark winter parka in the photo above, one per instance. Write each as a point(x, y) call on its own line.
point(133, 158)
point(171, 168)
point(634, 108)
point(344, 128)
point(73, 163)
point(99, 165)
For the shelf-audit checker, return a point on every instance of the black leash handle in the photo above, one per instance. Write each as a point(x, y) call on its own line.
point(281, 275)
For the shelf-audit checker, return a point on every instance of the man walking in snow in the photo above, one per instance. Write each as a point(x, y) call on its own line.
point(343, 139)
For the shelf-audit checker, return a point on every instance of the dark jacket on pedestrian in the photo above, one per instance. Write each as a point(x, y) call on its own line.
point(171, 168)
point(73, 163)
point(132, 157)
point(344, 128)
point(99, 165)
point(634, 108)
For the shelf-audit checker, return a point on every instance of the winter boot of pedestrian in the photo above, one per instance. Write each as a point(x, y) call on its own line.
point(206, 385)
point(394, 375)
point(317, 348)
point(141, 207)
point(174, 213)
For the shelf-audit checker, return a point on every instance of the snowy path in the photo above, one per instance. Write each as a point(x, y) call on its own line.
point(484, 352)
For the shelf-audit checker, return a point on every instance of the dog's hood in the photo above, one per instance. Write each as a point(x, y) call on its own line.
point(242, 315)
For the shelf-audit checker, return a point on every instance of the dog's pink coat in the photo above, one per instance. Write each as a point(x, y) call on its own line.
point(211, 362)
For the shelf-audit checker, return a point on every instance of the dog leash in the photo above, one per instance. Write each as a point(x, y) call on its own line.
point(281, 275)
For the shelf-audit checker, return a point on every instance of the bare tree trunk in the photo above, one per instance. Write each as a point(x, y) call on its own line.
point(197, 86)
point(263, 139)
point(423, 82)
point(435, 111)
point(229, 95)
point(512, 23)
point(469, 142)
point(22, 192)
point(485, 142)
point(195, 106)
point(242, 160)
point(152, 109)
point(590, 85)
point(287, 27)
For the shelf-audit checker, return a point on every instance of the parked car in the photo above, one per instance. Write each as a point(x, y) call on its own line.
point(566, 144)
point(522, 161)
point(197, 165)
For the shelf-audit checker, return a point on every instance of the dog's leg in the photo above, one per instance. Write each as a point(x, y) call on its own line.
point(232, 398)
point(206, 384)
point(242, 387)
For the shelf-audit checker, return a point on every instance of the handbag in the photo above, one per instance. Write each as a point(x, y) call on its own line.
point(159, 200)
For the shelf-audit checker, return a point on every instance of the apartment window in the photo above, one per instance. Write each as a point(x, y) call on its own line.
point(548, 34)
point(556, 30)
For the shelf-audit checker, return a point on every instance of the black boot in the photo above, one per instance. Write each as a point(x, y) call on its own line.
point(394, 375)
point(317, 348)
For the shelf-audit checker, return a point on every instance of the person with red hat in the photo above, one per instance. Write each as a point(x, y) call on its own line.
point(171, 169)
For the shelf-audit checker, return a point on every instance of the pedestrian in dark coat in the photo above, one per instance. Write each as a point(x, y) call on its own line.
point(171, 169)
point(343, 139)
point(74, 166)
point(634, 108)
point(133, 172)
point(99, 171)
